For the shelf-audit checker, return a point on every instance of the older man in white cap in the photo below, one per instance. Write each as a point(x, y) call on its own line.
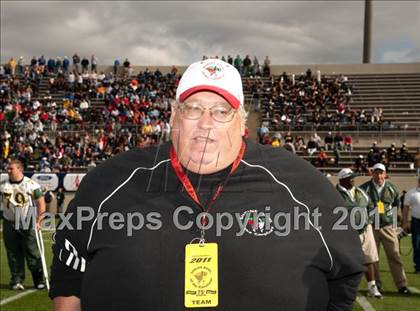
point(183, 188)
point(356, 198)
point(385, 200)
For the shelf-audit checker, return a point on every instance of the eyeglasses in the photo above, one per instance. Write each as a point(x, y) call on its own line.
point(194, 111)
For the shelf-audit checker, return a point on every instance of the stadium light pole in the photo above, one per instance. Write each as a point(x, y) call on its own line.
point(367, 33)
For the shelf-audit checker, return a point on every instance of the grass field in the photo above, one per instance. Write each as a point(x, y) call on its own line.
point(39, 301)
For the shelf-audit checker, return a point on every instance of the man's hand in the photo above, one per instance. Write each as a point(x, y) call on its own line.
point(406, 226)
point(38, 223)
point(406, 223)
point(71, 303)
point(40, 212)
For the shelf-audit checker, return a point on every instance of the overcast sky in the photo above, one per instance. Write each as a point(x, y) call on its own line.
point(167, 33)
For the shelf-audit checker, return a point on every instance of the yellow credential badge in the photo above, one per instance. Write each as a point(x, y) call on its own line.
point(201, 275)
point(381, 207)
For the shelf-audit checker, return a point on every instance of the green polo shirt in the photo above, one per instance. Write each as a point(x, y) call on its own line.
point(359, 200)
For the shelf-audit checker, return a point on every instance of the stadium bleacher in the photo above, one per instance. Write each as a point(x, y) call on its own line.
point(396, 95)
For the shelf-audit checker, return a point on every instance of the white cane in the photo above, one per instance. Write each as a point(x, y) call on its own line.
point(40, 244)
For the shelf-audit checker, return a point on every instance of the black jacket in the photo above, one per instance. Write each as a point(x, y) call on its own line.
point(306, 269)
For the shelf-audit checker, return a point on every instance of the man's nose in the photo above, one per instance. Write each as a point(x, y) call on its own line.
point(206, 121)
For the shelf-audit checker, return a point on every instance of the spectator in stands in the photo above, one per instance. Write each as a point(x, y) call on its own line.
point(93, 63)
point(267, 67)
point(126, 65)
point(247, 66)
point(348, 142)
point(299, 143)
point(375, 147)
point(66, 64)
point(288, 138)
point(404, 154)
point(230, 59)
point(276, 143)
point(376, 115)
point(312, 146)
point(360, 164)
point(238, 64)
point(329, 141)
point(116, 66)
point(21, 66)
point(85, 64)
point(256, 71)
point(262, 131)
point(392, 152)
point(42, 62)
point(51, 65)
point(322, 158)
point(372, 158)
point(338, 141)
point(255, 102)
point(76, 63)
point(12, 65)
point(34, 62)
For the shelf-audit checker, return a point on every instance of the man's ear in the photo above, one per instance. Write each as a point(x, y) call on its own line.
point(173, 114)
point(243, 127)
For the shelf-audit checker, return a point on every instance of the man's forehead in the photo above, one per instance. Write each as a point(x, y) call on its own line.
point(207, 98)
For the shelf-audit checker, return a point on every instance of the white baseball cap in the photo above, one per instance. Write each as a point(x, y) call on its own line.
point(212, 75)
point(379, 166)
point(346, 173)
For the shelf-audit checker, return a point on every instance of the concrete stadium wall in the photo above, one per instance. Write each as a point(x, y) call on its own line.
point(298, 69)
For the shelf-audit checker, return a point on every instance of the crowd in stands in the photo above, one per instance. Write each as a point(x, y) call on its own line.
point(327, 151)
point(133, 110)
point(248, 67)
point(97, 114)
point(311, 102)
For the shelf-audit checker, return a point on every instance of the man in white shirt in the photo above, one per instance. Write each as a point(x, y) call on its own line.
point(412, 200)
point(18, 194)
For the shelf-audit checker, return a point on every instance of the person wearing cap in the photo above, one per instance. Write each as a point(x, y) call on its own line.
point(384, 201)
point(354, 197)
point(208, 170)
point(412, 201)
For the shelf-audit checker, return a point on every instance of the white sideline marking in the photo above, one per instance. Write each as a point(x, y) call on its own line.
point(364, 303)
point(16, 297)
point(414, 290)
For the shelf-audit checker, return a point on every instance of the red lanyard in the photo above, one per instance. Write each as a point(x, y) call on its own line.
point(187, 183)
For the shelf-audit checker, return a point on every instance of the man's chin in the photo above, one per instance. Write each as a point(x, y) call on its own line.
point(204, 159)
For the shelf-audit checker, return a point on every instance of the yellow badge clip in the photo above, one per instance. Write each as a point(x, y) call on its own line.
point(381, 207)
point(201, 275)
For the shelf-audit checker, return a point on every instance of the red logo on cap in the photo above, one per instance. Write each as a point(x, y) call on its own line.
point(213, 71)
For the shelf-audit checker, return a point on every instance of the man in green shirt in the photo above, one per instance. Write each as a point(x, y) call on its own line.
point(356, 198)
point(384, 201)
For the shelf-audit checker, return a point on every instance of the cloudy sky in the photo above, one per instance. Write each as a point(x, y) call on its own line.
point(166, 33)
